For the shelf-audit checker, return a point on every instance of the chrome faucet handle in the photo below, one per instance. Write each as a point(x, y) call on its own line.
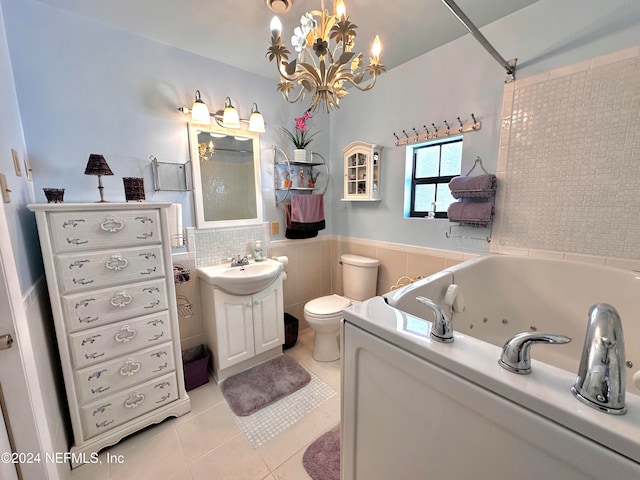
point(601, 375)
point(516, 353)
point(442, 328)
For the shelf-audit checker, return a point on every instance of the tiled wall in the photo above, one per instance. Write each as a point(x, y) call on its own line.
point(569, 163)
point(314, 269)
point(314, 266)
point(214, 246)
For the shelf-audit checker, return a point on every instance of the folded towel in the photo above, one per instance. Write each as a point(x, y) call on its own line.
point(307, 212)
point(307, 208)
point(296, 233)
point(482, 186)
point(480, 213)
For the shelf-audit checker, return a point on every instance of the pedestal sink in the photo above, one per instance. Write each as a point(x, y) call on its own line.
point(242, 280)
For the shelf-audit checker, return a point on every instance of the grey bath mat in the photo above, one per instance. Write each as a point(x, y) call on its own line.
point(321, 459)
point(249, 391)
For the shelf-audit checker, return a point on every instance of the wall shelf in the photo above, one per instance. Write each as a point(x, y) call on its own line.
point(282, 165)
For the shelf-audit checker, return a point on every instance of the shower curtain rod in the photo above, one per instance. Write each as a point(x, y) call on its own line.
point(509, 66)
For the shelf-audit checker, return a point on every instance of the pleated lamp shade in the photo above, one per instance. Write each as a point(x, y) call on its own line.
point(97, 165)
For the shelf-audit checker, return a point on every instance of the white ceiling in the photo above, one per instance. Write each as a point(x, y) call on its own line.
point(237, 32)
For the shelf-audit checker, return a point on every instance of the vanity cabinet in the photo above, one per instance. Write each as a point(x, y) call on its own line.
point(362, 171)
point(110, 281)
point(247, 329)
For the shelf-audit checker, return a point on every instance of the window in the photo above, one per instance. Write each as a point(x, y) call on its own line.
point(429, 168)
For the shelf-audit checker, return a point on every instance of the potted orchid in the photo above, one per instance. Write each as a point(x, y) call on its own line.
point(301, 137)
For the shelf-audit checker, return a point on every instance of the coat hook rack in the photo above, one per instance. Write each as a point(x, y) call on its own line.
point(434, 133)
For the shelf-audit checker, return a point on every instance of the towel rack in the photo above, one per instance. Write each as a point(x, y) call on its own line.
point(477, 162)
point(449, 234)
point(282, 164)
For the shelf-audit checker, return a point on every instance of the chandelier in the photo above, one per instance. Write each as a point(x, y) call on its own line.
point(206, 151)
point(321, 69)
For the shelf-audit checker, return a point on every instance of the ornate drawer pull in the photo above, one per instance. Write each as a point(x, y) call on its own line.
point(125, 334)
point(134, 400)
point(111, 224)
point(116, 262)
point(130, 367)
point(121, 299)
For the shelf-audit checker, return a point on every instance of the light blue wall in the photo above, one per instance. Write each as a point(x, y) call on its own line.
point(20, 221)
point(85, 87)
point(456, 80)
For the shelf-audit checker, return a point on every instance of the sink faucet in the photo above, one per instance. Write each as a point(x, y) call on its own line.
point(601, 377)
point(516, 353)
point(442, 329)
point(240, 261)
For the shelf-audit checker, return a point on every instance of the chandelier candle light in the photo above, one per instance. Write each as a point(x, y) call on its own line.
point(321, 69)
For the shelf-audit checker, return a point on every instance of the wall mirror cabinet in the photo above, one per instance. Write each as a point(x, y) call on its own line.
point(226, 176)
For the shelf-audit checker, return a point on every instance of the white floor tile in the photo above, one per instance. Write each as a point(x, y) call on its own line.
point(207, 431)
point(208, 444)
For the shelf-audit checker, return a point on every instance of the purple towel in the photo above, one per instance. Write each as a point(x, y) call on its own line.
point(482, 186)
point(471, 212)
point(307, 208)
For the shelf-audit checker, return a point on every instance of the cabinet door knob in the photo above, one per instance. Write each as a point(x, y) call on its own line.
point(134, 400)
point(111, 224)
point(256, 302)
point(130, 367)
point(116, 262)
point(125, 334)
point(121, 299)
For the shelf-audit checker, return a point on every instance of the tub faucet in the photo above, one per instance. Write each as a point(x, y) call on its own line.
point(516, 355)
point(442, 328)
point(601, 377)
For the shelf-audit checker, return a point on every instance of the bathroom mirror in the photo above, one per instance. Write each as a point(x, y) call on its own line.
point(226, 176)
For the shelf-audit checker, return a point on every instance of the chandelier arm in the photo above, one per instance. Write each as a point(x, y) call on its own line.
point(297, 97)
point(373, 79)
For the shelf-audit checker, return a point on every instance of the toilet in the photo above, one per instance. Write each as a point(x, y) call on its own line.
point(324, 314)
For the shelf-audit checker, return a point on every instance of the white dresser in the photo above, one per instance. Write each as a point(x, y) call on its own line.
point(110, 279)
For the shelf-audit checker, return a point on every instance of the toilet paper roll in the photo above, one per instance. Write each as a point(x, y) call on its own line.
point(284, 260)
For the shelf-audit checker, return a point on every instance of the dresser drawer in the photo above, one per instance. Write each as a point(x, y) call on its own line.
point(75, 231)
point(109, 377)
point(117, 409)
point(80, 271)
point(99, 307)
point(103, 343)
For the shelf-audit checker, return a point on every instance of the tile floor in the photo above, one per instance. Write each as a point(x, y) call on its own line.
point(208, 444)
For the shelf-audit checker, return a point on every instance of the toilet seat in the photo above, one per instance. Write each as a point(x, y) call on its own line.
point(326, 307)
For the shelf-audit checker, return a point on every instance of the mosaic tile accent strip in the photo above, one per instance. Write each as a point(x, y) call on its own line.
point(268, 422)
point(573, 162)
point(216, 245)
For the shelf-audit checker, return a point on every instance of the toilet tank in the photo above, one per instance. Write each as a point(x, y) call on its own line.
point(359, 276)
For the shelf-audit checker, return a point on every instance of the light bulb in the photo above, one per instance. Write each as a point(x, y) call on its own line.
point(376, 49)
point(276, 26)
point(341, 10)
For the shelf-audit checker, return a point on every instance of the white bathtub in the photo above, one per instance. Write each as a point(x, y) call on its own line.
point(505, 295)
point(416, 408)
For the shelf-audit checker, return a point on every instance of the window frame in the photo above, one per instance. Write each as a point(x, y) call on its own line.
point(436, 180)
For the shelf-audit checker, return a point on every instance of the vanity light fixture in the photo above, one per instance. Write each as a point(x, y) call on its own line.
point(256, 120)
point(321, 69)
point(200, 111)
point(227, 118)
point(230, 117)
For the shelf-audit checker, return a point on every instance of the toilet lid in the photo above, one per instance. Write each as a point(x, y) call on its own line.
point(329, 305)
